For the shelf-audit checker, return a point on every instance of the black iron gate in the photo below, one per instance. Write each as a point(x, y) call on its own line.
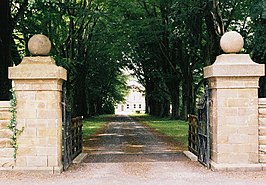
point(203, 129)
point(199, 130)
point(72, 133)
point(193, 134)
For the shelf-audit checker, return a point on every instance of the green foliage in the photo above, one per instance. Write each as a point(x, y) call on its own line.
point(165, 42)
point(171, 41)
point(85, 42)
point(13, 124)
point(258, 16)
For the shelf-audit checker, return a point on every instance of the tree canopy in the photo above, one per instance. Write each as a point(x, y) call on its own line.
point(166, 43)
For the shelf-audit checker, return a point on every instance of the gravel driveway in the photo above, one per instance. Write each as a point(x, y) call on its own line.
point(134, 156)
point(124, 140)
point(136, 173)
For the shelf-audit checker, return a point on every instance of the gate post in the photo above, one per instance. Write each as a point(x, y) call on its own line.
point(233, 80)
point(38, 88)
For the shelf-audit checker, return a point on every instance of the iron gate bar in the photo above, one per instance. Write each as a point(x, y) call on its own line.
point(67, 140)
point(72, 133)
point(77, 140)
point(203, 129)
point(193, 134)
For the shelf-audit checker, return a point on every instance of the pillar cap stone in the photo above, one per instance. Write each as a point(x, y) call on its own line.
point(234, 65)
point(39, 45)
point(231, 42)
point(39, 67)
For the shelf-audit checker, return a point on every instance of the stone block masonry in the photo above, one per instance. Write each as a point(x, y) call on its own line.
point(6, 150)
point(38, 86)
point(234, 113)
point(262, 130)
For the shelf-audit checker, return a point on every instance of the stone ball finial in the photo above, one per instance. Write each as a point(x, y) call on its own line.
point(231, 42)
point(39, 45)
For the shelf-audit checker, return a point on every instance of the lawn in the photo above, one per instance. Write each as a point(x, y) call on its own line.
point(93, 124)
point(175, 129)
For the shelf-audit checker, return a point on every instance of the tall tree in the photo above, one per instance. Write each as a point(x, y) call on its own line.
point(9, 16)
point(165, 42)
point(258, 40)
point(5, 48)
point(85, 42)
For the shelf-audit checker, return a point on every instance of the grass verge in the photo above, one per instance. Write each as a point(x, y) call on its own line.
point(93, 124)
point(174, 130)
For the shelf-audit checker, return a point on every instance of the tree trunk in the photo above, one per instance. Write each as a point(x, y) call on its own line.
point(5, 51)
point(80, 94)
point(174, 94)
point(259, 52)
point(148, 98)
point(147, 106)
point(166, 108)
point(215, 29)
point(152, 105)
point(187, 95)
point(175, 106)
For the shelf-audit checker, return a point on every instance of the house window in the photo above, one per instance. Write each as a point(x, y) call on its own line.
point(140, 106)
point(127, 106)
point(134, 106)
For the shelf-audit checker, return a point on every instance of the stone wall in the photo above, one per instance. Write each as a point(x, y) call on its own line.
point(6, 151)
point(262, 130)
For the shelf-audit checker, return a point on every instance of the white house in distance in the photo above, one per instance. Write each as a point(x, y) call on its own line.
point(134, 101)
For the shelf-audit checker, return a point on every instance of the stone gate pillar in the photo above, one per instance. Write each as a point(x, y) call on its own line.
point(38, 85)
point(233, 80)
